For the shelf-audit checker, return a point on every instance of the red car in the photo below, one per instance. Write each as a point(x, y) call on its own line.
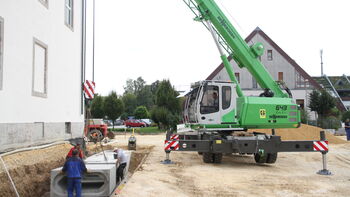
point(134, 123)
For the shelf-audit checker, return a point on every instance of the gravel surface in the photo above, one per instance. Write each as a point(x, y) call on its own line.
point(294, 174)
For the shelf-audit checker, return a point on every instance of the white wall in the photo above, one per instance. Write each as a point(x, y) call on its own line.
point(25, 20)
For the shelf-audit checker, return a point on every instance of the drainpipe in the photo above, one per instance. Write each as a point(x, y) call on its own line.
point(83, 51)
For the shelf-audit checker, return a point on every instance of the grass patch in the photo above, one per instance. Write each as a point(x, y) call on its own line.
point(144, 130)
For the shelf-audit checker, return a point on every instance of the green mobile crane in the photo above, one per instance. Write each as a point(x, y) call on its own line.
point(213, 111)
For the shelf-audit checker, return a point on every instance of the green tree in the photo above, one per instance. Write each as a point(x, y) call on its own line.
point(166, 113)
point(97, 110)
point(321, 102)
point(345, 116)
point(139, 83)
point(130, 102)
point(324, 105)
point(113, 106)
point(124, 116)
point(129, 87)
point(141, 112)
point(145, 97)
point(164, 118)
point(166, 96)
point(154, 87)
point(134, 86)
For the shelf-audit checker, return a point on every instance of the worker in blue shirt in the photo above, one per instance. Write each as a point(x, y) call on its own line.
point(347, 129)
point(74, 167)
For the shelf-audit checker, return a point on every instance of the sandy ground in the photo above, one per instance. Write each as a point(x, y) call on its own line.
point(30, 170)
point(294, 174)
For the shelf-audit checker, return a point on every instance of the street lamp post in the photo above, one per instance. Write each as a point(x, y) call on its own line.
point(306, 100)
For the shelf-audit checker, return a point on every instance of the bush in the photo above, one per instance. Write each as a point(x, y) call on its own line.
point(304, 116)
point(164, 118)
point(141, 112)
point(144, 130)
point(330, 122)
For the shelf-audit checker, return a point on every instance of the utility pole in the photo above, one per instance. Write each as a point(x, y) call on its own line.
point(93, 43)
point(321, 53)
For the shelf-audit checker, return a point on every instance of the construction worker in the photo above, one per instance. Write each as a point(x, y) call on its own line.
point(347, 129)
point(122, 161)
point(74, 167)
point(76, 147)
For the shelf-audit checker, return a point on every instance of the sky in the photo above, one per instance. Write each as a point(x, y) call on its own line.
point(158, 39)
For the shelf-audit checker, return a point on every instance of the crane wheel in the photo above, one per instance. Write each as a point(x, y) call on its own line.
point(217, 157)
point(207, 157)
point(271, 157)
point(260, 158)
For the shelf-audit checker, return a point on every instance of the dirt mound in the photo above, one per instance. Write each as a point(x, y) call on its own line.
point(30, 170)
point(305, 132)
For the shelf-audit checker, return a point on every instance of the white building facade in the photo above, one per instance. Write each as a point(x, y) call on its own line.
point(41, 71)
point(279, 65)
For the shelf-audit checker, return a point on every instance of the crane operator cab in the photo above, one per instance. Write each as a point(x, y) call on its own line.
point(211, 102)
point(214, 105)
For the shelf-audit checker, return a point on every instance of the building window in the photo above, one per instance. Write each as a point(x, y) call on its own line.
point(280, 76)
point(68, 13)
point(45, 3)
point(226, 97)
point(237, 77)
point(68, 127)
point(1, 49)
point(39, 86)
point(300, 81)
point(255, 84)
point(269, 55)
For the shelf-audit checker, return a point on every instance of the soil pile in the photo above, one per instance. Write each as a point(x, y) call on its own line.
point(305, 132)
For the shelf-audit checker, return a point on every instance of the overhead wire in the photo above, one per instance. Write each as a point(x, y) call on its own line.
point(231, 17)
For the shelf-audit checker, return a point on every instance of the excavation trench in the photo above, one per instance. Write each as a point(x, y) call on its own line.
point(30, 170)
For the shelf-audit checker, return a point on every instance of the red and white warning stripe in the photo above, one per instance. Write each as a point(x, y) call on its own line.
point(174, 137)
point(89, 89)
point(320, 145)
point(171, 145)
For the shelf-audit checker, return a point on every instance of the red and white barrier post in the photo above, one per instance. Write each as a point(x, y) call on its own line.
point(172, 143)
point(322, 146)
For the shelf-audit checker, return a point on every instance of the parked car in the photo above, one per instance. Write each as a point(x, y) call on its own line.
point(147, 121)
point(118, 122)
point(108, 122)
point(134, 123)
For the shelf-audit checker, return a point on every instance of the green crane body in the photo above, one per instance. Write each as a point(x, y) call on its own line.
point(275, 109)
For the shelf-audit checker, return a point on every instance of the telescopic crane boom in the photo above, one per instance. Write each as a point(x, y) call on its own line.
point(273, 109)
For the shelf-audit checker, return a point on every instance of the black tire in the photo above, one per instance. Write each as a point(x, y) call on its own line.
point(95, 135)
point(208, 157)
point(271, 158)
point(259, 158)
point(217, 157)
point(142, 126)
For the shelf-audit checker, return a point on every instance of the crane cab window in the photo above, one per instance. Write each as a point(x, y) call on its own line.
point(210, 100)
point(226, 97)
